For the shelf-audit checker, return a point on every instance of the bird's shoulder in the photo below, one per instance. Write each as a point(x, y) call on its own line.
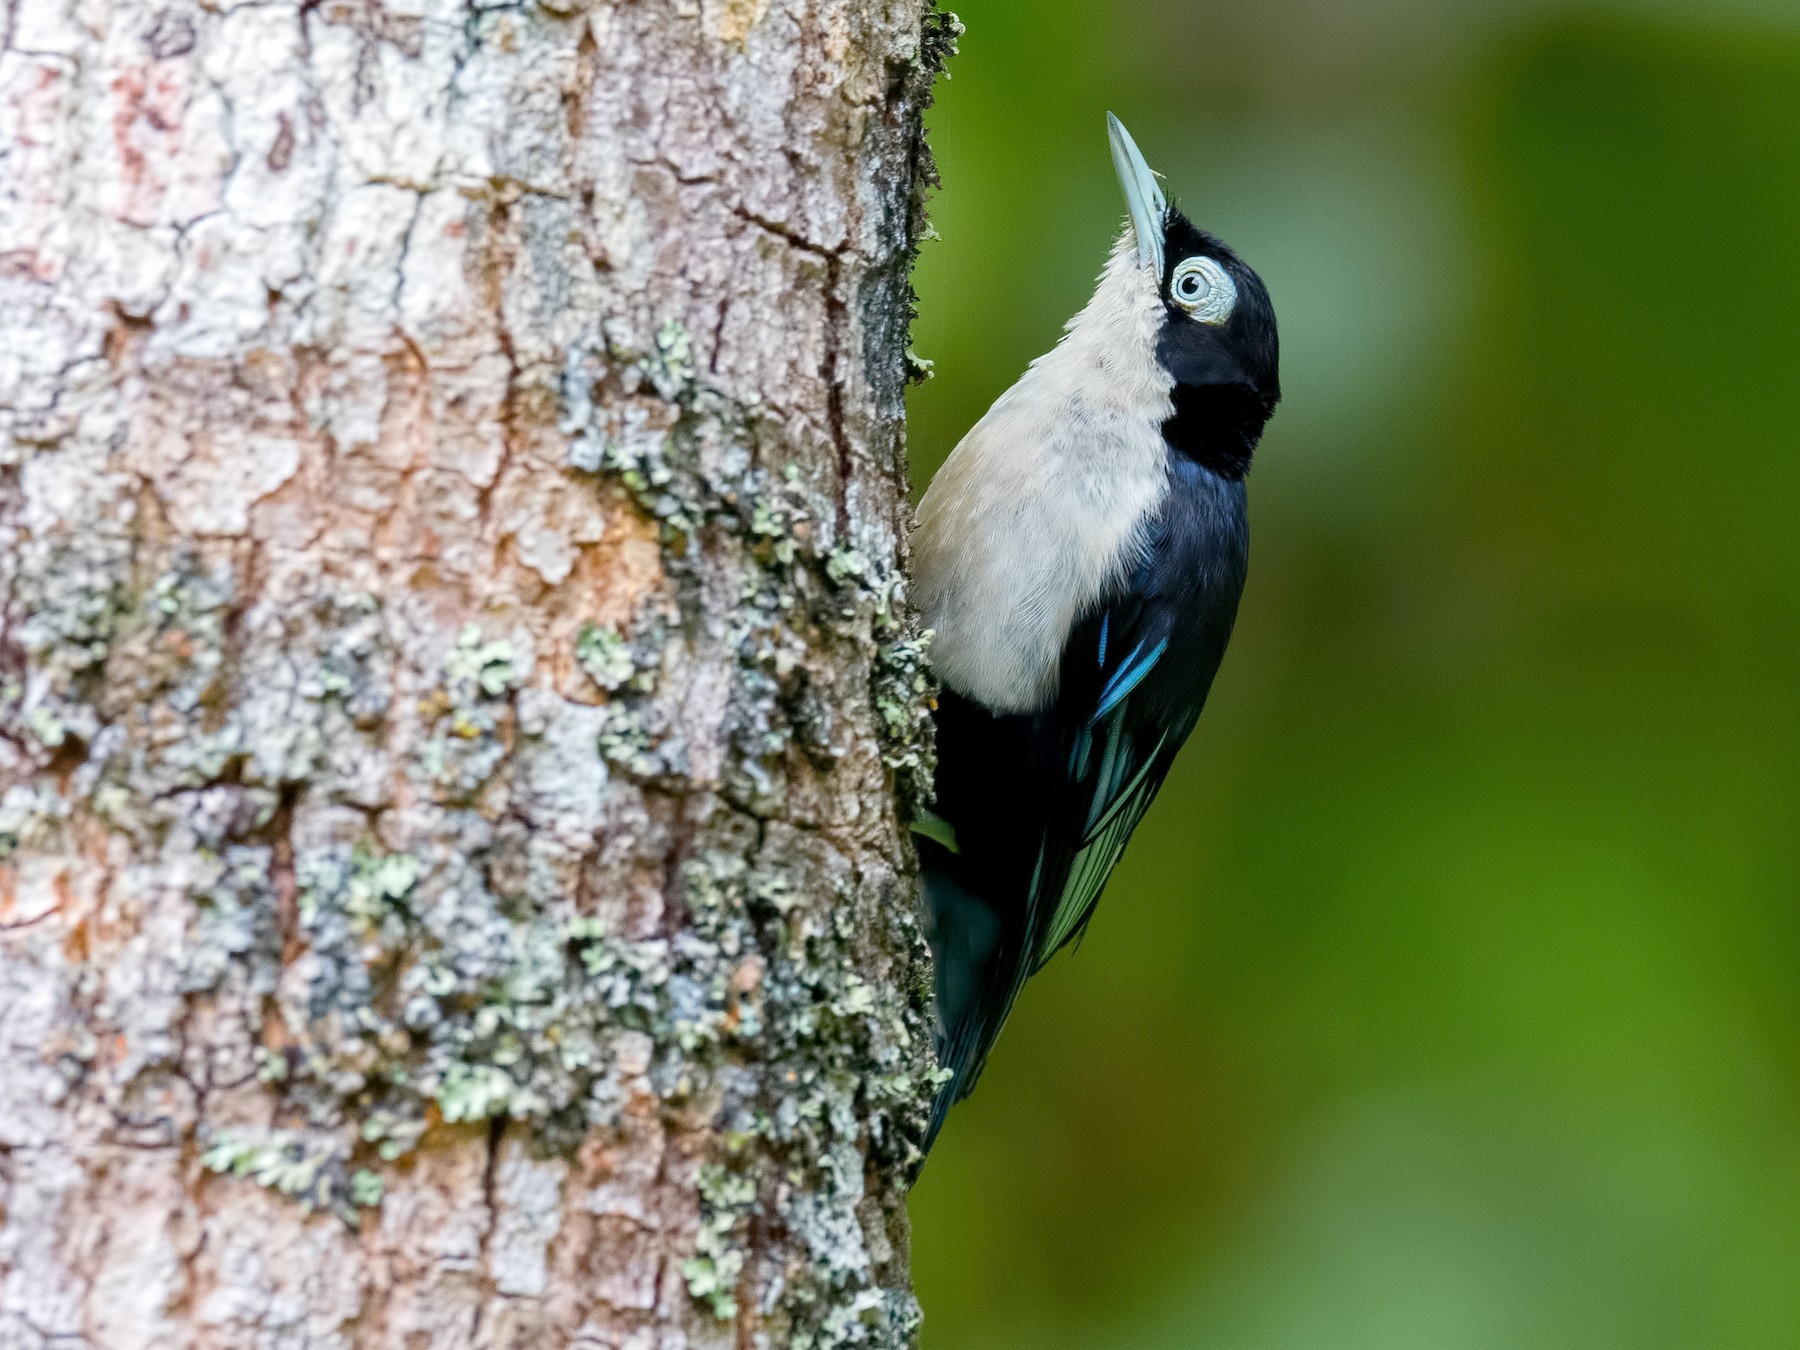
point(1190, 567)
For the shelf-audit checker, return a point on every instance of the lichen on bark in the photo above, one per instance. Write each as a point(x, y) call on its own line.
point(457, 700)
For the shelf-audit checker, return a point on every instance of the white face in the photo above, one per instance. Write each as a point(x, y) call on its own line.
point(1203, 288)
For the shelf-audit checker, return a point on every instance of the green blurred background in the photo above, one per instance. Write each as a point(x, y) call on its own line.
point(1450, 995)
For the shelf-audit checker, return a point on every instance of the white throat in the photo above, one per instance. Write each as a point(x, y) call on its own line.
point(1048, 497)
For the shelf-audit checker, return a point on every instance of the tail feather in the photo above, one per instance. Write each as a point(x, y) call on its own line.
point(975, 983)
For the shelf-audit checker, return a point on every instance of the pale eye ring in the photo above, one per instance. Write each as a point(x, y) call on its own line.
point(1204, 289)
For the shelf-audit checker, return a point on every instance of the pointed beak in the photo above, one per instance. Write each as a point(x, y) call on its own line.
point(1142, 195)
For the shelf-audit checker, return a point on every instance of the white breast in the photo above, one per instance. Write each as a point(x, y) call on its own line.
point(1047, 497)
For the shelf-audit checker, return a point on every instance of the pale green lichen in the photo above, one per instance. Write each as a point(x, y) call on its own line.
point(306, 1167)
point(73, 596)
point(393, 1135)
point(726, 1200)
point(846, 564)
point(466, 748)
point(477, 1091)
point(905, 696)
point(478, 667)
point(670, 363)
point(366, 1188)
point(605, 656)
point(513, 1017)
point(631, 744)
point(629, 441)
point(46, 726)
point(637, 734)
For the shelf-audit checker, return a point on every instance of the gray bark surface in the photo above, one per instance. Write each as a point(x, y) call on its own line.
point(456, 699)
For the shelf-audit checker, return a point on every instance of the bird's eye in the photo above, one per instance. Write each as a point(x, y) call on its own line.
point(1204, 289)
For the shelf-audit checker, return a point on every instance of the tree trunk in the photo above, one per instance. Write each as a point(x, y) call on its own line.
point(456, 700)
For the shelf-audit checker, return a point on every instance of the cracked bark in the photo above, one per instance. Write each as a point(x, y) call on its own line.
point(456, 700)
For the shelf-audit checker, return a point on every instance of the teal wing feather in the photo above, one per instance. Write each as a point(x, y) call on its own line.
point(1117, 762)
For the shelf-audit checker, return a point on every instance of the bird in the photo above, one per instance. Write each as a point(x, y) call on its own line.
point(1079, 559)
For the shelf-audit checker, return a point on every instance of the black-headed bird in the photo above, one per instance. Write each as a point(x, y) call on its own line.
point(1079, 557)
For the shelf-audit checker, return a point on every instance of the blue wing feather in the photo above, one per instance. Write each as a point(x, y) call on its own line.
point(1112, 799)
point(1128, 675)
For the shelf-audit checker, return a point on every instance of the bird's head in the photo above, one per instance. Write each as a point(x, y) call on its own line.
point(1217, 339)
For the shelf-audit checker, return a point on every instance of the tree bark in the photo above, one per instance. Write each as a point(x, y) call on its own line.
point(457, 705)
